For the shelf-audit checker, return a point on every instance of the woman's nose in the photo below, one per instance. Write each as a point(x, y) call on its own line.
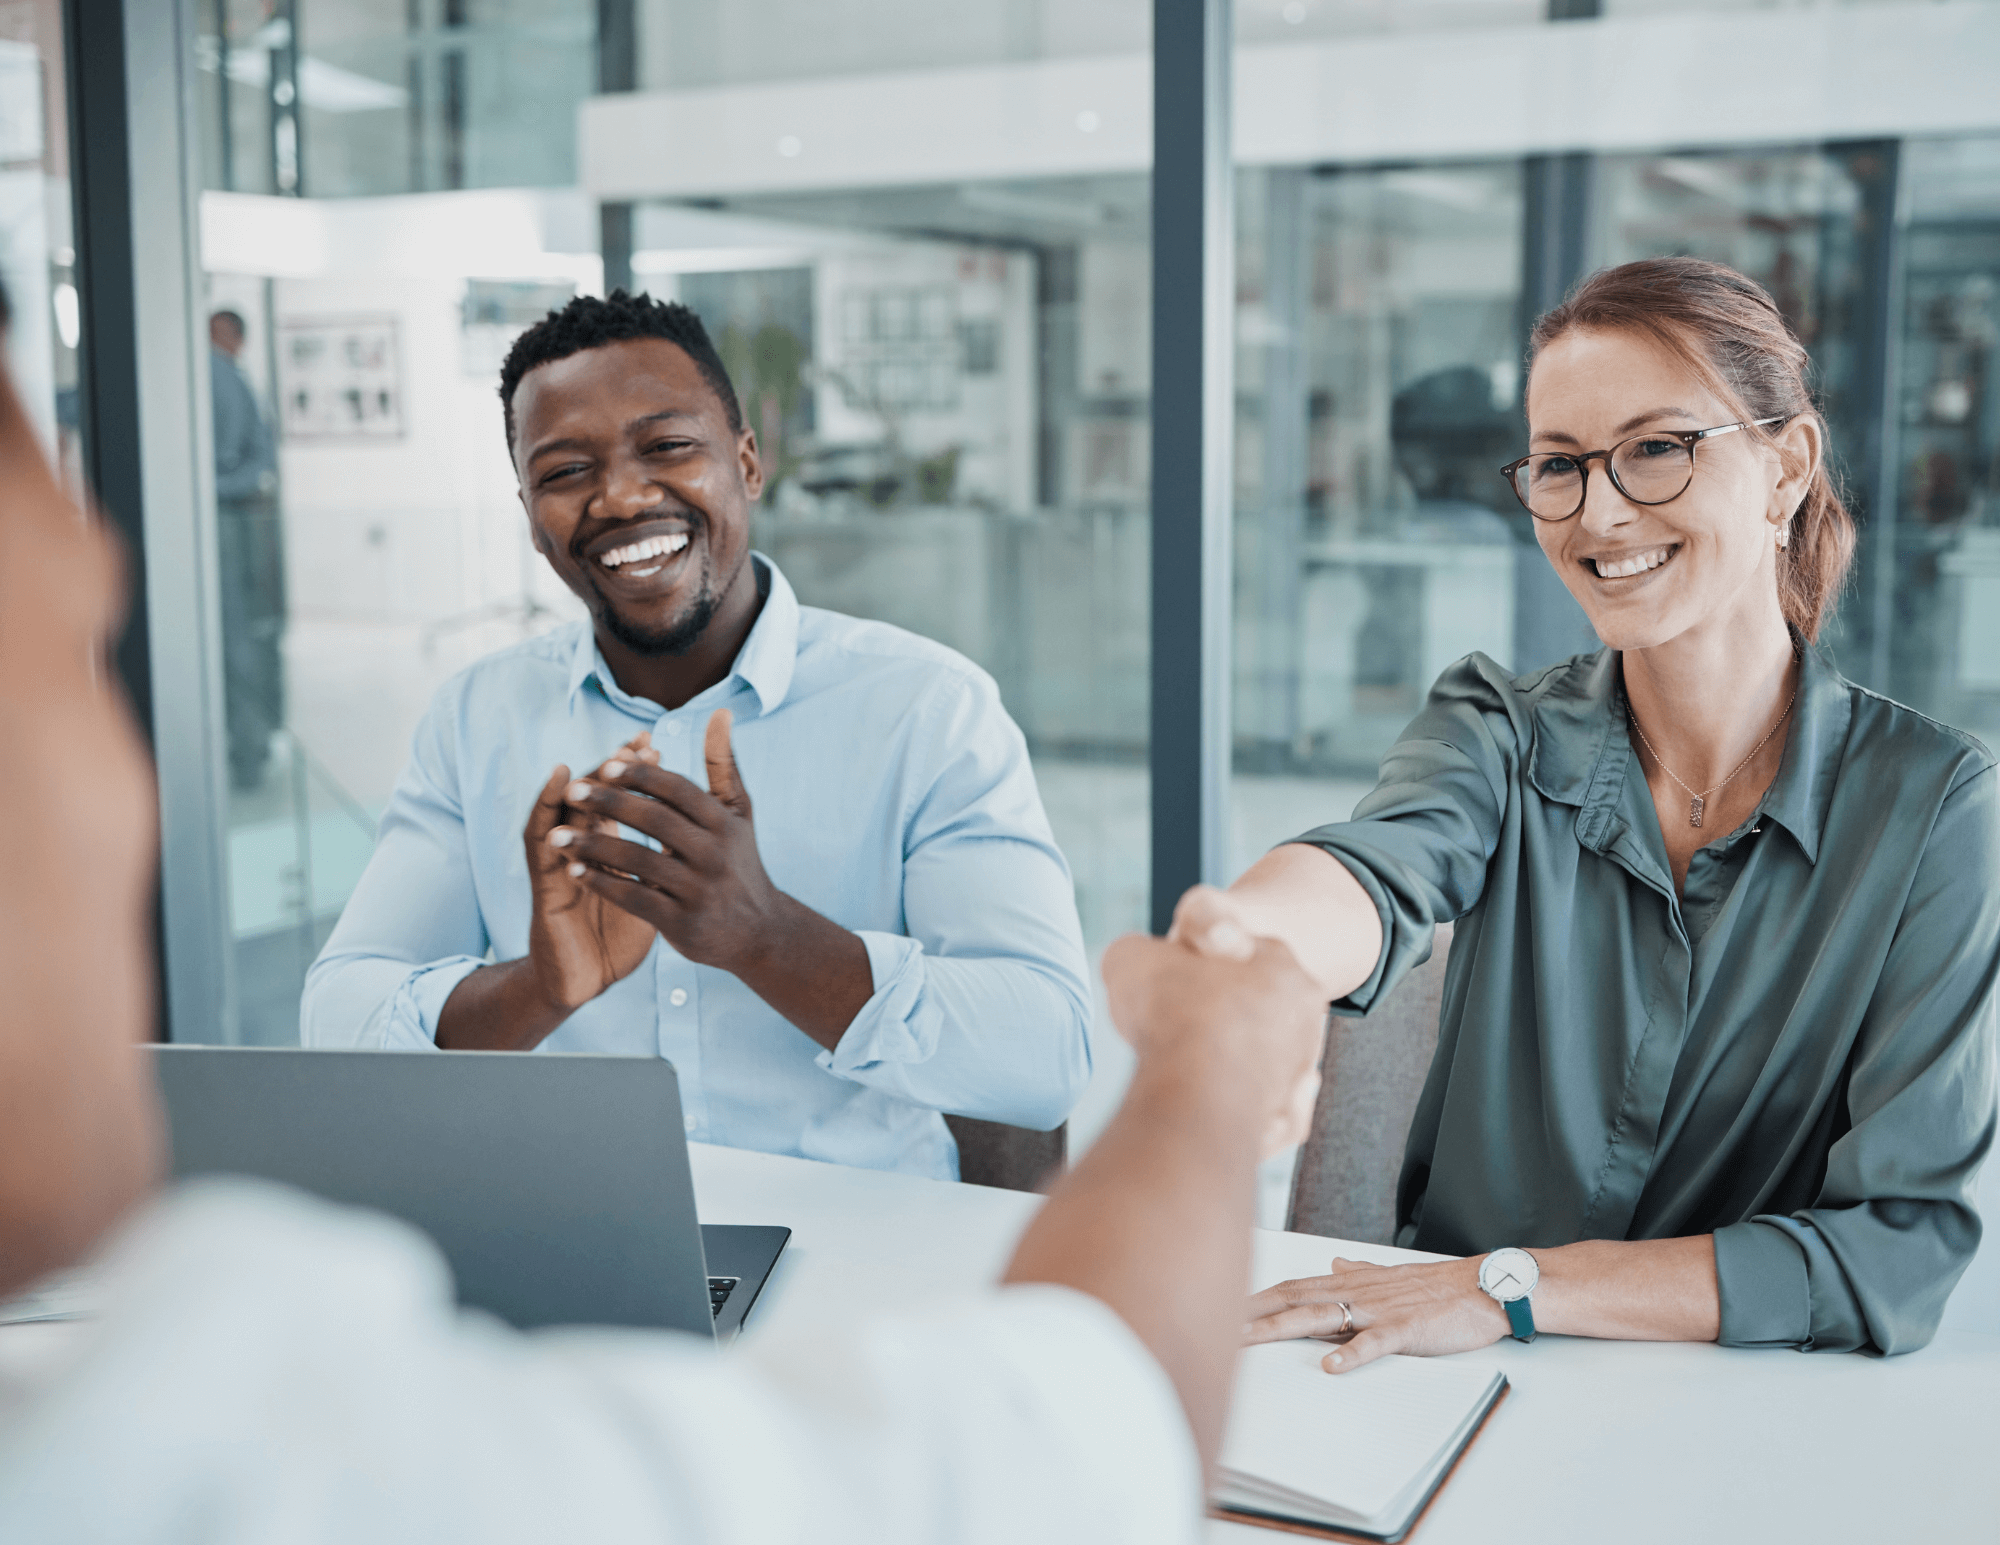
point(1604, 507)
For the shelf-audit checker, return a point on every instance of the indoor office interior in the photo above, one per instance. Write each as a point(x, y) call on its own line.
point(949, 374)
point(936, 306)
point(1158, 357)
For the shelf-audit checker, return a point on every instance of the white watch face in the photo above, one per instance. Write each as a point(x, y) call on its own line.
point(1508, 1274)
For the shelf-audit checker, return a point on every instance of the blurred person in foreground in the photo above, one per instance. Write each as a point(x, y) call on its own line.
point(888, 933)
point(1716, 1056)
point(271, 1367)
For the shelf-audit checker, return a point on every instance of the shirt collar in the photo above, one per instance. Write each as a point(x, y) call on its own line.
point(764, 664)
point(1582, 748)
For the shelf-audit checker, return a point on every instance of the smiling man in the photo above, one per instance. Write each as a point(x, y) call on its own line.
point(887, 932)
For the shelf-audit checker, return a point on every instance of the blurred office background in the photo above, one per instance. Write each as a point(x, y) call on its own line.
point(920, 234)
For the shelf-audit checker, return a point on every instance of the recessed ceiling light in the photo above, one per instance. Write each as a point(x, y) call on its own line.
point(790, 145)
point(1087, 121)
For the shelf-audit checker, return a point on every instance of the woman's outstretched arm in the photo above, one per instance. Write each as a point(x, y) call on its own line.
point(1303, 897)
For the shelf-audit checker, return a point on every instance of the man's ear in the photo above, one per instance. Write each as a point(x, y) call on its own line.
point(751, 463)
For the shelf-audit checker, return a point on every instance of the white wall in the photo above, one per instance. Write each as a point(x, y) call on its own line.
point(1744, 76)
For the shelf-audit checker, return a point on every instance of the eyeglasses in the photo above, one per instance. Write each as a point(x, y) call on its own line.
point(1652, 468)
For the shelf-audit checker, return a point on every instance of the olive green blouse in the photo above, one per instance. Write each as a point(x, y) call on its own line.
point(1796, 1054)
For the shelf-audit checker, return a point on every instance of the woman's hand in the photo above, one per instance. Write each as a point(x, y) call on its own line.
point(1209, 922)
point(1426, 1309)
point(1303, 897)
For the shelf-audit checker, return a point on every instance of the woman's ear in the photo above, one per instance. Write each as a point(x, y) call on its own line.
point(1800, 445)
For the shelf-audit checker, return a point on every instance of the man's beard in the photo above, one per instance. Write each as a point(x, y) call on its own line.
point(678, 636)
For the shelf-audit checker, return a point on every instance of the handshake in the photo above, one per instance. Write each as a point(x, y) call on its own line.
point(1218, 1002)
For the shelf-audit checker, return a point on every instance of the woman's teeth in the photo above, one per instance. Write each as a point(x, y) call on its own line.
point(652, 547)
point(1638, 563)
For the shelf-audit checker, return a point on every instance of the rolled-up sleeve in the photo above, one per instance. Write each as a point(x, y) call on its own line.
point(981, 1006)
point(1895, 1225)
point(412, 931)
point(1419, 843)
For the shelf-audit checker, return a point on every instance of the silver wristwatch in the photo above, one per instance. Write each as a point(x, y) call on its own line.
point(1507, 1277)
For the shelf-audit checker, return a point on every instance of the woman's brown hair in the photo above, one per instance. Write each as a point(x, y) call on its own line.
point(1728, 330)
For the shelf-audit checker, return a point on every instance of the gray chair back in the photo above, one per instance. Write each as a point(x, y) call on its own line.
point(1345, 1184)
point(1011, 1158)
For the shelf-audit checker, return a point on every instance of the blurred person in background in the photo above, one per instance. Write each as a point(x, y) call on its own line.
point(1716, 1058)
point(271, 1367)
point(250, 552)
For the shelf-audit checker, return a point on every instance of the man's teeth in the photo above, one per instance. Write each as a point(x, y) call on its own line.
point(1638, 563)
point(652, 547)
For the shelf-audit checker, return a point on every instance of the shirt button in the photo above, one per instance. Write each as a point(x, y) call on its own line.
point(690, 1123)
point(678, 996)
point(675, 727)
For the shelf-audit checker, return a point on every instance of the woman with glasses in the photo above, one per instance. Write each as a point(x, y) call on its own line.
point(1716, 1056)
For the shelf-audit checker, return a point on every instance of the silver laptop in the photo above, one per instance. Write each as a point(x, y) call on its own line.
point(557, 1186)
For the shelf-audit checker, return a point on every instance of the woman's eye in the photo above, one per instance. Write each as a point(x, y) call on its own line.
point(1555, 466)
point(1657, 448)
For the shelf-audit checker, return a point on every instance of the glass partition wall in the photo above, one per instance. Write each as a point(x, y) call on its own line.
point(950, 388)
point(38, 258)
point(948, 377)
point(1381, 323)
point(1378, 372)
point(922, 240)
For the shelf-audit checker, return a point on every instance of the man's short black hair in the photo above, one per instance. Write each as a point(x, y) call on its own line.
point(233, 318)
point(589, 323)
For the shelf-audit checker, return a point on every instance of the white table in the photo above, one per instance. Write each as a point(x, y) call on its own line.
point(1598, 1441)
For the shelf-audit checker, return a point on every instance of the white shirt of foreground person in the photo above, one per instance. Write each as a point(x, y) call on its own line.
point(271, 1370)
point(893, 795)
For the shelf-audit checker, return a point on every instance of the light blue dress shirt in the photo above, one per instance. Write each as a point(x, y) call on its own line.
point(892, 794)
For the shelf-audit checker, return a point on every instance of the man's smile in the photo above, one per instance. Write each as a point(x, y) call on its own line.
point(642, 555)
point(638, 552)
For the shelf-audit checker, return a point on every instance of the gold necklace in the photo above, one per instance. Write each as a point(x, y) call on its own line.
point(1697, 803)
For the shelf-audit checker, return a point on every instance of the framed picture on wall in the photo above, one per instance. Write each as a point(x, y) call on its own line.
point(339, 378)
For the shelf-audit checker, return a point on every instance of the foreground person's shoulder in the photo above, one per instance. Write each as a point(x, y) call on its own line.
point(269, 1244)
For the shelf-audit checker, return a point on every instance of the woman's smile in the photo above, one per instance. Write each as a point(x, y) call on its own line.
point(1633, 563)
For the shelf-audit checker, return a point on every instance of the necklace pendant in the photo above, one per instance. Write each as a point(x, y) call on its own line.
point(1695, 808)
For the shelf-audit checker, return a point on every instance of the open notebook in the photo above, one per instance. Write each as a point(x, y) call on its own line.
point(1356, 1453)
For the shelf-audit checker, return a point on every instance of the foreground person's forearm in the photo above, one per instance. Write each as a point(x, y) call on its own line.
point(1155, 1222)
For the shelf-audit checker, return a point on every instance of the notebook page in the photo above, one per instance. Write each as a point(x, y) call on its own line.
point(1354, 1440)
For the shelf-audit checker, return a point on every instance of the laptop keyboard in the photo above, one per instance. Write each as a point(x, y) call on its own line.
point(719, 1289)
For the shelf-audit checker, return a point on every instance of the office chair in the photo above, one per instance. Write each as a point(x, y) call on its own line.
point(1011, 1158)
point(1374, 1069)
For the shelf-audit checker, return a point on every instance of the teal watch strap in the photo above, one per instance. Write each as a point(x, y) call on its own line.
point(1521, 1317)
